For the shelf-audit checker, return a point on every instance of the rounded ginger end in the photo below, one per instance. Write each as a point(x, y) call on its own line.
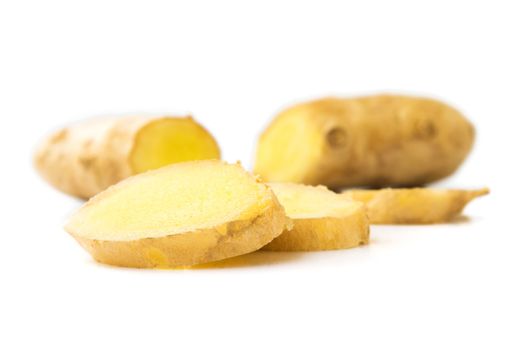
point(171, 140)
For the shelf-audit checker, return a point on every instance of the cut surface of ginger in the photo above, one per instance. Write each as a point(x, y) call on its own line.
point(322, 220)
point(281, 152)
point(175, 199)
point(303, 201)
point(171, 140)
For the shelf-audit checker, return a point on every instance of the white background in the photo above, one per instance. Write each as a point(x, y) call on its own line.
point(234, 65)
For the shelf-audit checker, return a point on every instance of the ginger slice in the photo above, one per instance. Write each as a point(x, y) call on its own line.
point(180, 215)
point(414, 205)
point(322, 220)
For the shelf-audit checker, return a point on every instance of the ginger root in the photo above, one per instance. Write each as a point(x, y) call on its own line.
point(375, 141)
point(87, 157)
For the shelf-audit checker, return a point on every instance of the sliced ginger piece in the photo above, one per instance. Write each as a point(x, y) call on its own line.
point(414, 205)
point(180, 215)
point(322, 220)
point(86, 158)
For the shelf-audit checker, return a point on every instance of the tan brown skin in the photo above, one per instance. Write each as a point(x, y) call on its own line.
point(202, 246)
point(88, 157)
point(375, 141)
point(414, 206)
